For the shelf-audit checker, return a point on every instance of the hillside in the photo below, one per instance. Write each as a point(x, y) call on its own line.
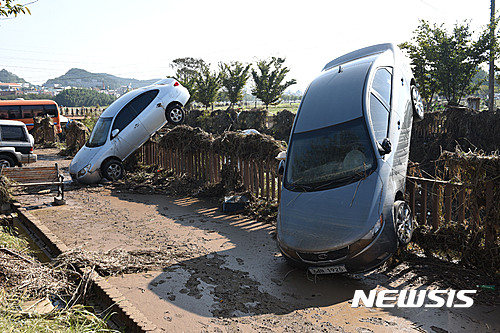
point(81, 78)
point(8, 77)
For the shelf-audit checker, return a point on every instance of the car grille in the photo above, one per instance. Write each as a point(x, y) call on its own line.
point(324, 256)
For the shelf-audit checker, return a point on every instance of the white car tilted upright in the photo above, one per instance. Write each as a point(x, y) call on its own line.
point(125, 126)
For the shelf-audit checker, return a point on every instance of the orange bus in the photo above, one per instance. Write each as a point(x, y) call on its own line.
point(26, 110)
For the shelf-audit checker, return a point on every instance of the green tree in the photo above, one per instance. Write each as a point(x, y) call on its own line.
point(10, 7)
point(268, 80)
point(420, 53)
point(234, 77)
point(186, 71)
point(207, 85)
point(446, 62)
point(83, 97)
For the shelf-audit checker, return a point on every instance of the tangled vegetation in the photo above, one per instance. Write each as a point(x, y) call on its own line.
point(36, 297)
point(475, 243)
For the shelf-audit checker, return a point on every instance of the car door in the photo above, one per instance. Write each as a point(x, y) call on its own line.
point(131, 132)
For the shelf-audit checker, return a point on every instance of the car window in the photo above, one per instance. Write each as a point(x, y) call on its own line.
point(130, 111)
point(100, 132)
point(329, 157)
point(50, 109)
point(379, 118)
point(381, 85)
point(13, 133)
point(5, 110)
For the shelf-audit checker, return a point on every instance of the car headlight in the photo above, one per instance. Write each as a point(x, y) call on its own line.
point(368, 238)
point(84, 171)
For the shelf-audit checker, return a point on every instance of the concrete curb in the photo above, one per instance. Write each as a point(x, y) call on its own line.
point(125, 313)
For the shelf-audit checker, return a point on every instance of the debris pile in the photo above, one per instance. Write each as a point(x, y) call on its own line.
point(257, 147)
point(44, 130)
point(475, 243)
point(119, 261)
point(5, 190)
point(282, 125)
point(186, 139)
point(440, 131)
point(76, 136)
point(255, 118)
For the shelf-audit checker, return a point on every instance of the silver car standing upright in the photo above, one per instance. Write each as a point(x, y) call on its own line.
point(125, 126)
point(342, 206)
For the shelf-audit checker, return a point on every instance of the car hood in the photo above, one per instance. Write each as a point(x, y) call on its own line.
point(330, 219)
point(84, 156)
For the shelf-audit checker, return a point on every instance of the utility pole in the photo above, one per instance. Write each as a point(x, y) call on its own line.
point(491, 92)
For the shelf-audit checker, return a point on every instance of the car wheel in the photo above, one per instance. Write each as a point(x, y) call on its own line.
point(175, 114)
point(113, 170)
point(6, 161)
point(418, 105)
point(403, 222)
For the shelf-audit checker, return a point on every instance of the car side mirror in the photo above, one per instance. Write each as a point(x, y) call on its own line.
point(114, 133)
point(281, 167)
point(385, 147)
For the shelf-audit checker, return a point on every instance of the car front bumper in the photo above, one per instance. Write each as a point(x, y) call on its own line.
point(88, 178)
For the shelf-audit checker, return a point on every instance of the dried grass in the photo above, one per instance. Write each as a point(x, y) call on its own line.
point(119, 261)
point(24, 276)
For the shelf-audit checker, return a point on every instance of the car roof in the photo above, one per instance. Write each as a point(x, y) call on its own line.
point(117, 105)
point(358, 54)
point(334, 97)
point(12, 123)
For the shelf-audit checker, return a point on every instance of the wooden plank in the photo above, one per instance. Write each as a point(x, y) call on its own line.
point(39, 184)
point(418, 179)
point(461, 204)
point(423, 201)
point(436, 200)
point(447, 203)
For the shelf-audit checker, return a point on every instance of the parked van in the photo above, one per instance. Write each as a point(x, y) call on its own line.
point(125, 126)
point(342, 205)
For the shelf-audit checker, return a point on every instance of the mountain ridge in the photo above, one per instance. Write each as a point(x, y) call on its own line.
point(80, 78)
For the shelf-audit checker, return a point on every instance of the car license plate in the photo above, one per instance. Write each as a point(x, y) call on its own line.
point(328, 269)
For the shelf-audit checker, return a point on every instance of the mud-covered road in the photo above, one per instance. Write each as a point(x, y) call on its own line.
point(226, 274)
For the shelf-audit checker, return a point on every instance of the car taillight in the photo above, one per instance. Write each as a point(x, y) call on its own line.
point(31, 150)
point(176, 84)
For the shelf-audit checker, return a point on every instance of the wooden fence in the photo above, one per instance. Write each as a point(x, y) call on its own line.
point(438, 203)
point(433, 202)
point(81, 112)
point(259, 177)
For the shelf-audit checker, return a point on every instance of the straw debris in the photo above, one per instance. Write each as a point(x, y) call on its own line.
point(119, 261)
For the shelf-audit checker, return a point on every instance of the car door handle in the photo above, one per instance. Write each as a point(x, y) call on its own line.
point(136, 125)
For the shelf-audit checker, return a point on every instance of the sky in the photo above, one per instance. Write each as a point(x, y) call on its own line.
point(139, 39)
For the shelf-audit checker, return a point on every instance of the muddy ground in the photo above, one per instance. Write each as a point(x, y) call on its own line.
point(224, 273)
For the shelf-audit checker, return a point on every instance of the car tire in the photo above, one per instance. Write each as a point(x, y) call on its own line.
point(113, 169)
point(175, 114)
point(417, 104)
point(6, 161)
point(403, 222)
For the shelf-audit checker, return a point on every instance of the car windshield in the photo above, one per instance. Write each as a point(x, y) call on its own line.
point(329, 157)
point(100, 132)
